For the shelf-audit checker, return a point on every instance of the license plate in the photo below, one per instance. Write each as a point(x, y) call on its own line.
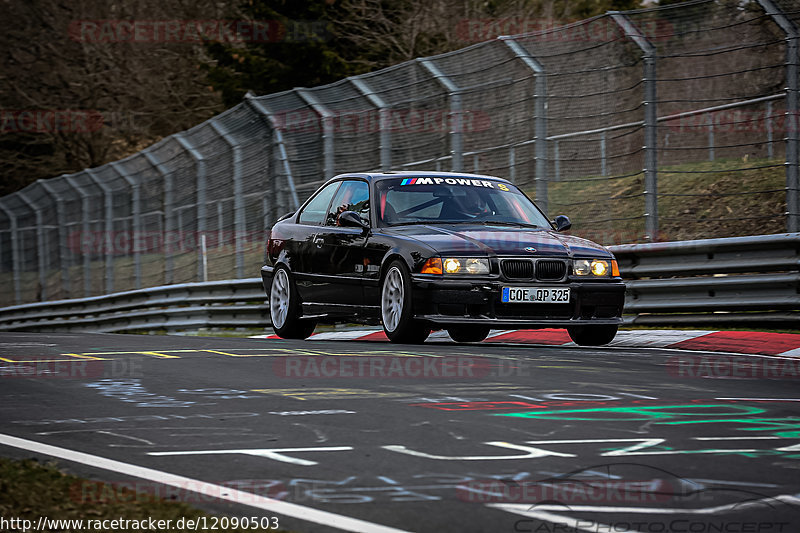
point(526, 295)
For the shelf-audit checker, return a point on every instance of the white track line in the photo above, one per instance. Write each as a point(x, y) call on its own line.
point(201, 487)
point(762, 399)
point(340, 335)
point(526, 508)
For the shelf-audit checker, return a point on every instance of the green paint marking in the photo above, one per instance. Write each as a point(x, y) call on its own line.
point(665, 412)
point(767, 424)
point(750, 454)
point(673, 415)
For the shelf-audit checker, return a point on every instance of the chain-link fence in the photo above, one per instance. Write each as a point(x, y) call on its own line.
point(660, 124)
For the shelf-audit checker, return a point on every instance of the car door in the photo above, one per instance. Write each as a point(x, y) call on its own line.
point(339, 250)
point(304, 249)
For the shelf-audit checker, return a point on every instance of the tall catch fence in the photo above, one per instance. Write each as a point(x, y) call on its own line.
point(647, 125)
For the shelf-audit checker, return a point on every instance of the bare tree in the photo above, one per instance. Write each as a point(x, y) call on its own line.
point(78, 88)
point(386, 32)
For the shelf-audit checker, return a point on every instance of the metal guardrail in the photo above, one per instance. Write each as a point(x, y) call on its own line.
point(739, 280)
point(186, 306)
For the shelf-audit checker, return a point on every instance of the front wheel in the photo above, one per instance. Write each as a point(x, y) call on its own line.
point(592, 335)
point(468, 333)
point(284, 308)
point(396, 307)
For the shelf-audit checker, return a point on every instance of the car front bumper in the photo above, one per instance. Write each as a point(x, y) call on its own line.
point(457, 302)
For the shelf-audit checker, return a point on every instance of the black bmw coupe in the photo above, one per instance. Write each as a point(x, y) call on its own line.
point(418, 251)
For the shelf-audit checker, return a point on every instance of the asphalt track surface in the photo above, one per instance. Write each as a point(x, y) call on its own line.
point(436, 438)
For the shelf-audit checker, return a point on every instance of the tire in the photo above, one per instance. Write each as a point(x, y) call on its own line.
point(592, 335)
point(468, 333)
point(284, 308)
point(397, 308)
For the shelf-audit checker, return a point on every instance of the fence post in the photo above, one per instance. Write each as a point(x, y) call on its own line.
point(557, 160)
point(202, 210)
point(85, 234)
point(650, 122)
point(791, 122)
point(456, 129)
point(64, 262)
point(136, 227)
point(384, 120)
point(710, 123)
point(239, 220)
point(540, 120)
point(278, 142)
point(266, 222)
point(41, 246)
point(220, 222)
point(108, 202)
point(512, 164)
point(770, 152)
point(169, 215)
point(603, 163)
point(327, 130)
point(15, 251)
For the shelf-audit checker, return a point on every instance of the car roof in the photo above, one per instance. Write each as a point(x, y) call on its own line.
point(375, 176)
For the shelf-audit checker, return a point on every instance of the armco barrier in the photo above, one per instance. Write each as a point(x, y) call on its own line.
point(740, 280)
point(186, 306)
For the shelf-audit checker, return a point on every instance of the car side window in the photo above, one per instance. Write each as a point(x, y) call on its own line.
point(314, 212)
point(351, 196)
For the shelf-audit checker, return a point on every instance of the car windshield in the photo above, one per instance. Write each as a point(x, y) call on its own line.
point(456, 200)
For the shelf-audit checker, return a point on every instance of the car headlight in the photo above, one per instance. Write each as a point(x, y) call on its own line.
point(595, 267)
point(465, 265)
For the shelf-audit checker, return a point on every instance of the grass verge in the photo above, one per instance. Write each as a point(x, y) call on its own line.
point(29, 490)
point(709, 199)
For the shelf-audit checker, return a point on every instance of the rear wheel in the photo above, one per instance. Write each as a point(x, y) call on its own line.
point(592, 335)
point(468, 333)
point(396, 307)
point(284, 308)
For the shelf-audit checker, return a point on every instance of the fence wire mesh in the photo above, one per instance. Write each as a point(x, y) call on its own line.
point(671, 123)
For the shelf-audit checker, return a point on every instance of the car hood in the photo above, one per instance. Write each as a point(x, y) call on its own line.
point(454, 239)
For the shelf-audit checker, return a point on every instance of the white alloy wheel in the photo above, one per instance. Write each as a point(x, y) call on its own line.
point(392, 298)
point(279, 298)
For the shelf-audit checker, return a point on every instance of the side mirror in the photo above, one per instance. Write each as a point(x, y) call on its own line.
point(351, 219)
point(562, 223)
